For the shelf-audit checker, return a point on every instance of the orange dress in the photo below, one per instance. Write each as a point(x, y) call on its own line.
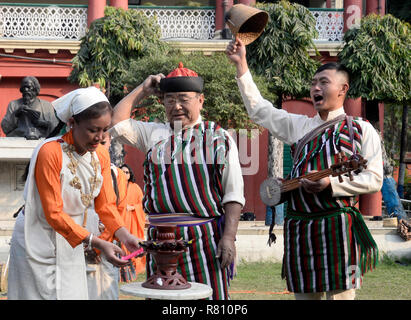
point(135, 220)
point(121, 201)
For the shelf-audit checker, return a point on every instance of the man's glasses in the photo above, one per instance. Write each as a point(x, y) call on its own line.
point(181, 100)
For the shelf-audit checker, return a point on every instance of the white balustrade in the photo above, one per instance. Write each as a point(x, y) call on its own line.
point(196, 24)
point(69, 22)
point(43, 22)
point(329, 24)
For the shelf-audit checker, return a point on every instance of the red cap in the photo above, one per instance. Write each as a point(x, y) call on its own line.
point(182, 80)
point(182, 72)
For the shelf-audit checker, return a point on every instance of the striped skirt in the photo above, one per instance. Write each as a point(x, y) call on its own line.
point(199, 262)
point(327, 251)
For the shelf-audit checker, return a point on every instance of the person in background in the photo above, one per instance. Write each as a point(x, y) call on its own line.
point(135, 219)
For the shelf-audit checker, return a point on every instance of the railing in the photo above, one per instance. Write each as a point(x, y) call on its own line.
point(69, 22)
point(329, 23)
point(43, 22)
point(183, 22)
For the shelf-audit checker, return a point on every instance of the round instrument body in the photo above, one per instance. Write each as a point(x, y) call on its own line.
point(270, 191)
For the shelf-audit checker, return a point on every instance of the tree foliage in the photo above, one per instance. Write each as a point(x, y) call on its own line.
point(281, 52)
point(378, 54)
point(223, 103)
point(110, 44)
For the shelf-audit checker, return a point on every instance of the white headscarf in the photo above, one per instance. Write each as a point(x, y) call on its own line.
point(77, 101)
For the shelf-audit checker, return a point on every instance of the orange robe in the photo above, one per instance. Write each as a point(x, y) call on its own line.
point(121, 202)
point(135, 220)
point(47, 175)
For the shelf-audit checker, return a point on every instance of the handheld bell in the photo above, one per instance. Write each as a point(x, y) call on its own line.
point(246, 22)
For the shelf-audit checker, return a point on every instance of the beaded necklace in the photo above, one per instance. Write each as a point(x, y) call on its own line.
point(86, 198)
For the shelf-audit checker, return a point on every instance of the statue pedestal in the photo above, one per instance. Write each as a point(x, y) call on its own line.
point(17, 149)
point(15, 154)
point(195, 292)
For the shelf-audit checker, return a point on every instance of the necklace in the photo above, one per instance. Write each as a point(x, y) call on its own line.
point(86, 198)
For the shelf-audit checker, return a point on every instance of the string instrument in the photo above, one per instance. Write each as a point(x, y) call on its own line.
point(274, 191)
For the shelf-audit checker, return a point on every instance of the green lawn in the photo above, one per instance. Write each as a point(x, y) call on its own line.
point(262, 281)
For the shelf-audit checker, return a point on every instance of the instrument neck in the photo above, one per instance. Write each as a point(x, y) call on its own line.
point(295, 183)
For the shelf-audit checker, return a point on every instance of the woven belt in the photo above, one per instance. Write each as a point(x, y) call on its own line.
point(177, 219)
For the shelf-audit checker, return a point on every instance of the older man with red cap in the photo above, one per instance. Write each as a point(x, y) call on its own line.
point(192, 175)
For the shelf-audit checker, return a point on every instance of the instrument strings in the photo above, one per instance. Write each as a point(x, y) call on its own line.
point(294, 183)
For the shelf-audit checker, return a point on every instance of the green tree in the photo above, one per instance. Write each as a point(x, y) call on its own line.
point(378, 55)
point(109, 46)
point(223, 103)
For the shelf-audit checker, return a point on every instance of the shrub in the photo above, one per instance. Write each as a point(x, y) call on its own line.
point(110, 44)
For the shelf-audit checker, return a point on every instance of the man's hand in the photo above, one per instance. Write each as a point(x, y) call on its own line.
point(226, 246)
point(42, 123)
point(151, 86)
point(315, 186)
point(226, 251)
point(148, 87)
point(236, 52)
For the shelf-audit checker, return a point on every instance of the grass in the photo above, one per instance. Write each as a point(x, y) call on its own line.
point(262, 281)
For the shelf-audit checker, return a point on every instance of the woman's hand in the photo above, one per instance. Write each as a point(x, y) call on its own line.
point(109, 250)
point(130, 241)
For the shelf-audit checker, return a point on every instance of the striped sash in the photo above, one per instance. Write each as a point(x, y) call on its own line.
point(319, 153)
point(327, 251)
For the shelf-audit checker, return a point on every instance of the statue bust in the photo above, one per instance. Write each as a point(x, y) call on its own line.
point(29, 116)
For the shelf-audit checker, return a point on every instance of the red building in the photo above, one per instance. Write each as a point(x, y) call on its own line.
point(40, 40)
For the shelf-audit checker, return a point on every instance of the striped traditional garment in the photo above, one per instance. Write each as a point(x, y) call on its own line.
point(182, 176)
point(327, 245)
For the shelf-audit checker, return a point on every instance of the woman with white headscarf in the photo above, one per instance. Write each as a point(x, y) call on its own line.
point(69, 180)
